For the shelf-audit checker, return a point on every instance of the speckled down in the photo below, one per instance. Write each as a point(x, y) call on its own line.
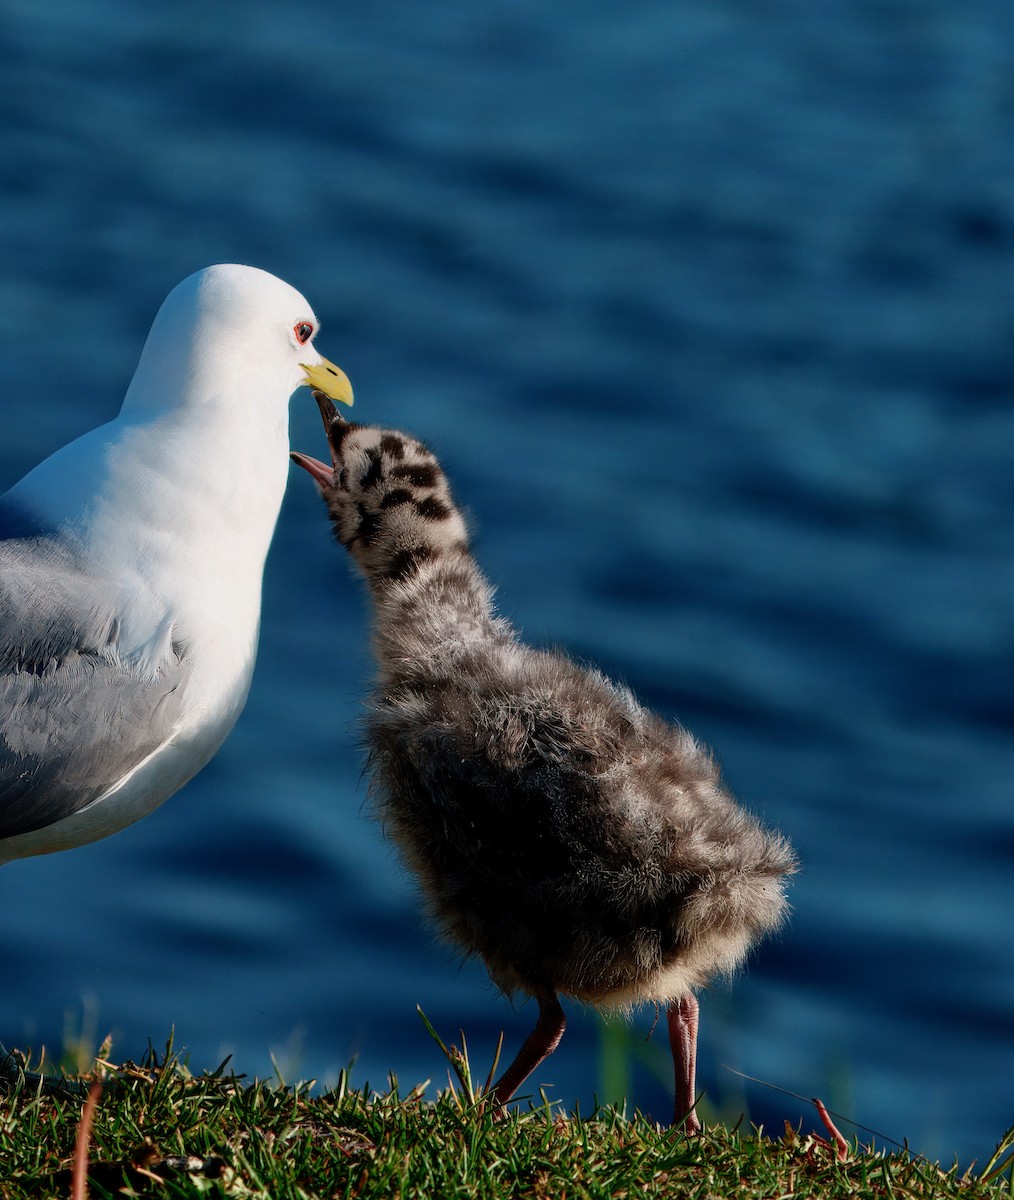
point(574, 841)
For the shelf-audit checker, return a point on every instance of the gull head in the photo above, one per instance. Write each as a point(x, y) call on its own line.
point(388, 499)
point(232, 335)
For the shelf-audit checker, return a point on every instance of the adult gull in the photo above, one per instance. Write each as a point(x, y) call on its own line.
point(131, 564)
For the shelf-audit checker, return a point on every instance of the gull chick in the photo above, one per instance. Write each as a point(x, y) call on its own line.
point(578, 844)
point(131, 565)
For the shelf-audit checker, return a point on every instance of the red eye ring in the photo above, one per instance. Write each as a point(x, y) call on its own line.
point(303, 331)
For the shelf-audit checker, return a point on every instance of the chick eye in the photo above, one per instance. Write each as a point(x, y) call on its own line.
point(303, 332)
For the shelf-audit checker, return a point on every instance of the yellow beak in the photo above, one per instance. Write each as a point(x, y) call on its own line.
point(329, 379)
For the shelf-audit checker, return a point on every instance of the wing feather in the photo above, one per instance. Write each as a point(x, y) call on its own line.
point(75, 715)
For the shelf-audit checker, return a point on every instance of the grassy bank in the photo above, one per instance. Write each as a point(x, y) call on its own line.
point(164, 1133)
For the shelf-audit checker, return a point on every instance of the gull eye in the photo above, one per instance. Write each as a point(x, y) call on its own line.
point(303, 331)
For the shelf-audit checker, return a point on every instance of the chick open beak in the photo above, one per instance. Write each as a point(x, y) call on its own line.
point(321, 472)
point(329, 379)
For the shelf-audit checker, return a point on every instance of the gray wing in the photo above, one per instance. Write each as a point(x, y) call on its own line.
point(74, 718)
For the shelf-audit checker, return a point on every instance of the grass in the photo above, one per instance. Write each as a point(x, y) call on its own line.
point(158, 1131)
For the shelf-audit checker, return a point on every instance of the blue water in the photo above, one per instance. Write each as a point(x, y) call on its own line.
point(709, 311)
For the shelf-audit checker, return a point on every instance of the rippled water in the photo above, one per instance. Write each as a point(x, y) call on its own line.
point(709, 312)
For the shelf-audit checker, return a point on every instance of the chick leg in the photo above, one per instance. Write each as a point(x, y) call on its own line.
point(539, 1045)
point(683, 1015)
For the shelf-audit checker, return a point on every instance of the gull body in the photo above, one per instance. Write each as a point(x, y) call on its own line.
point(131, 564)
point(575, 842)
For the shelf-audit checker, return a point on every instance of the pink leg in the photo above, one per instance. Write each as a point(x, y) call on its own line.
point(683, 1040)
point(539, 1045)
point(841, 1146)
